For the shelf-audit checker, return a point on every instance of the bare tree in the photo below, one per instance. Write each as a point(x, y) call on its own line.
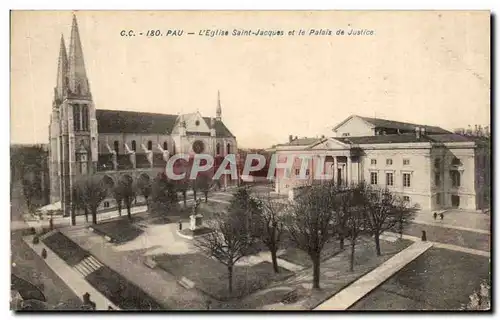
point(226, 243)
point(247, 208)
point(309, 222)
point(144, 187)
point(127, 190)
point(383, 210)
point(404, 215)
point(270, 226)
point(78, 203)
point(92, 192)
point(203, 183)
point(117, 194)
point(163, 196)
point(354, 200)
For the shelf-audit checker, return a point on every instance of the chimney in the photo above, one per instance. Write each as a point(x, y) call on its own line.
point(296, 138)
point(422, 131)
point(290, 138)
point(417, 132)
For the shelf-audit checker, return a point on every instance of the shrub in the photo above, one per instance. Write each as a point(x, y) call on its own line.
point(36, 240)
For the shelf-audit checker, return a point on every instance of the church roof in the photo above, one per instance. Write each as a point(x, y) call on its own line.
point(117, 121)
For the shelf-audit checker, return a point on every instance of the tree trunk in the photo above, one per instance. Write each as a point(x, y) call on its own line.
point(86, 211)
point(230, 278)
point(129, 214)
point(194, 195)
point(351, 257)
point(206, 196)
point(341, 242)
point(119, 203)
point(274, 258)
point(94, 215)
point(73, 216)
point(316, 269)
point(377, 244)
point(184, 198)
point(147, 203)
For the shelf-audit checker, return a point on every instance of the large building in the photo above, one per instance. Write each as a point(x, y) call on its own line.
point(85, 140)
point(429, 166)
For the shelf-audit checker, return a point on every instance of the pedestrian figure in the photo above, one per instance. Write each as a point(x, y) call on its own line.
point(88, 302)
point(44, 253)
point(110, 308)
point(435, 215)
point(441, 215)
point(180, 225)
point(51, 223)
point(208, 304)
point(424, 236)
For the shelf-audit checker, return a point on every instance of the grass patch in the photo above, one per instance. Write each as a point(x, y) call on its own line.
point(120, 291)
point(120, 230)
point(301, 258)
point(26, 289)
point(65, 248)
point(210, 276)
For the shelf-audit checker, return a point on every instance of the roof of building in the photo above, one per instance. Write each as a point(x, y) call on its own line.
point(299, 142)
point(117, 121)
point(405, 138)
point(403, 125)
point(391, 124)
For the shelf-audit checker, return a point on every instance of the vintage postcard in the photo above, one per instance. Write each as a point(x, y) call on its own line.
point(250, 160)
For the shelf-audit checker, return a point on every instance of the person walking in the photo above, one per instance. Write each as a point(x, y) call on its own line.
point(435, 215)
point(441, 215)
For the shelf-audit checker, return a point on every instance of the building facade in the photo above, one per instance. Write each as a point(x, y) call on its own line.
point(428, 166)
point(84, 140)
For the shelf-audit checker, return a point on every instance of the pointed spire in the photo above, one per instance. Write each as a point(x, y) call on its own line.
point(62, 69)
point(218, 112)
point(78, 83)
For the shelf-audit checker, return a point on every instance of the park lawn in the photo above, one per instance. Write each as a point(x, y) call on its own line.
point(300, 257)
point(120, 291)
point(65, 248)
point(120, 230)
point(210, 276)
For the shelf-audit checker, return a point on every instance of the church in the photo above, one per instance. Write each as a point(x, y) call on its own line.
point(84, 140)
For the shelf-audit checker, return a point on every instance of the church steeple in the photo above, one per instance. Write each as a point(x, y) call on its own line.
point(62, 69)
point(218, 112)
point(78, 83)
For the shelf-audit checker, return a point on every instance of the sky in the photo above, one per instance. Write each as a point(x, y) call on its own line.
point(425, 67)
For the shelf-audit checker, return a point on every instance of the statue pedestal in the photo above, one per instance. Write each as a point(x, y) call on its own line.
point(196, 221)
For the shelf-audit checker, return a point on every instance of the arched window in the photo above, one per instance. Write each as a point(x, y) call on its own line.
point(76, 117)
point(117, 147)
point(228, 148)
point(150, 145)
point(134, 146)
point(217, 147)
point(165, 145)
point(85, 118)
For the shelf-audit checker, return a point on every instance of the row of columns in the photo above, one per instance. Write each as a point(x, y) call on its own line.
point(348, 169)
